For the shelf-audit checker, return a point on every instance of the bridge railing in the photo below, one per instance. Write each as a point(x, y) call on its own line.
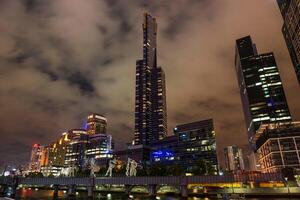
point(147, 180)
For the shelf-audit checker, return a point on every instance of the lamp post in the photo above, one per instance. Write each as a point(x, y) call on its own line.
point(287, 184)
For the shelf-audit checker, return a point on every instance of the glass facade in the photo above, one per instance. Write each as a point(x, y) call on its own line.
point(261, 89)
point(278, 146)
point(96, 124)
point(85, 147)
point(190, 143)
point(290, 10)
point(150, 100)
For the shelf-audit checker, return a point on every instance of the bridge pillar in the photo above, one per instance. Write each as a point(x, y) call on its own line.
point(90, 191)
point(152, 190)
point(55, 192)
point(127, 189)
point(71, 191)
point(3, 189)
point(14, 187)
point(184, 191)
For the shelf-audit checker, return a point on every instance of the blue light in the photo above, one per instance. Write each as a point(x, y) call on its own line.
point(271, 102)
point(85, 125)
point(165, 154)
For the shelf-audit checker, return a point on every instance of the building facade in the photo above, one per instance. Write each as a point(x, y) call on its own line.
point(190, 143)
point(234, 159)
point(261, 89)
point(150, 100)
point(290, 11)
point(85, 147)
point(278, 146)
point(75, 151)
point(99, 148)
point(36, 158)
point(96, 124)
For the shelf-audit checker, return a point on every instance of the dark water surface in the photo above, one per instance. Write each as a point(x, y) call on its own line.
point(48, 195)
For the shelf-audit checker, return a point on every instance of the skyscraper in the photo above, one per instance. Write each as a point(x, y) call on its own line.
point(290, 11)
point(261, 89)
point(35, 158)
point(234, 158)
point(150, 101)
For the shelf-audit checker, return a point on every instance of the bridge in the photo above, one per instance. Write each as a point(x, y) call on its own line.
point(152, 183)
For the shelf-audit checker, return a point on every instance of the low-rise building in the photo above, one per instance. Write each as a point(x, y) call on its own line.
point(278, 146)
point(190, 143)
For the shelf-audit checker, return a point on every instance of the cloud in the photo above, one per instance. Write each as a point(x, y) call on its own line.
point(60, 60)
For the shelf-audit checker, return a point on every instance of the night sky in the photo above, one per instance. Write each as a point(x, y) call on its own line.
point(62, 59)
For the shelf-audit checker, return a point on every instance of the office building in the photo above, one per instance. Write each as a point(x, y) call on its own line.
point(100, 148)
point(58, 149)
point(278, 146)
point(35, 158)
point(190, 143)
point(96, 124)
point(290, 11)
point(150, 101)
point(45, 156)
point(75, 150)
point(84, 147)
point(234, 159)
point(261, 89)
point(50, 170)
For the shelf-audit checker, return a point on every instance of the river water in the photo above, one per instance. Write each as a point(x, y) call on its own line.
point(47, 195)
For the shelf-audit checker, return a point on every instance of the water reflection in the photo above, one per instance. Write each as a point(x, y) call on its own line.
point(32, 194)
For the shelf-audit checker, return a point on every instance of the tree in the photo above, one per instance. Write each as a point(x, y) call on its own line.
point(157, 170)
point(101, 172)
point(202, 167)
point(174, 170)
point(35, 174)
point(120, 171)
point(83, 172)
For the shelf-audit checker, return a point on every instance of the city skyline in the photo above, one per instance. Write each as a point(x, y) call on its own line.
point(198, 73)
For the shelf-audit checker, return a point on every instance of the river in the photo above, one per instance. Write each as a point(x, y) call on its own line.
point(47, 195)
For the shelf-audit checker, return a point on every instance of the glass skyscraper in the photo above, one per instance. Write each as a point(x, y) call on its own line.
point(150, 101)
point(261, 89)
point(290, 11)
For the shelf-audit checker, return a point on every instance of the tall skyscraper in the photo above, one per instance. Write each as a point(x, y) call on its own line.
point(290, 11)
point(150, 101)
point(261, 89)
point(234, 158)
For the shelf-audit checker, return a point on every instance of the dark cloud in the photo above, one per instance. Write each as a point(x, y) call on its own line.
point(215, 105)
point(61, 59)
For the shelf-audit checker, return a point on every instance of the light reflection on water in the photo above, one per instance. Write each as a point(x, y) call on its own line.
point(48, 195)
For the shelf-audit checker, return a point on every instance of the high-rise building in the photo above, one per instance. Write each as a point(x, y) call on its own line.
point(234, 159)
point(96, 124)
point(290, 11)
point(35, 158)
point(261, 89)
point(150, 101)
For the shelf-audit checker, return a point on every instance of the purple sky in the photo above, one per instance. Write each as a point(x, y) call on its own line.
point(61, 59)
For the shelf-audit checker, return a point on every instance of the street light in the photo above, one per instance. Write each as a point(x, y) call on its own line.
point(287, 184)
